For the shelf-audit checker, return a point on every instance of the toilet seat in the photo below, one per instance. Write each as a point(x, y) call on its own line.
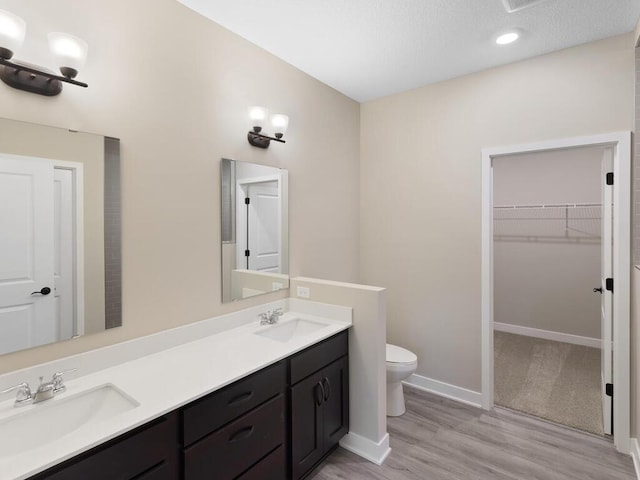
point(397, 354)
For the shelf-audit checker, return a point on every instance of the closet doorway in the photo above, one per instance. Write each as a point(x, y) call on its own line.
point(547, 245)
point(559, 345)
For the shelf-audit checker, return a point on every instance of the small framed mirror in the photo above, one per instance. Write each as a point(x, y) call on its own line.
point(255, 229)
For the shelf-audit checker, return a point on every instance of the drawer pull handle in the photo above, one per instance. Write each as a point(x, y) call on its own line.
point(243, 397)
point(326, 388)
point(241, 434)
point(319, 393)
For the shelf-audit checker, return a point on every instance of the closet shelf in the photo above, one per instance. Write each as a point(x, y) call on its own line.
point(575, 222)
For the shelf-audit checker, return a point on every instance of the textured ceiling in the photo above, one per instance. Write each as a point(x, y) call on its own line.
point(368, 49)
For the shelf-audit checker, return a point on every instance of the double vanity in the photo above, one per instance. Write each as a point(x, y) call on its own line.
point(252, 401)
point(250, 394)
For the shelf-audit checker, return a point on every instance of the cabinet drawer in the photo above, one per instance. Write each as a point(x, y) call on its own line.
point(233, 449)
point(213, 411)
point(272, 467)
point(150, 453)
point(314, 358)
point(162, 471)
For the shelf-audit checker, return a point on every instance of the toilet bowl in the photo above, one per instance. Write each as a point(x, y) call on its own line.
point(401, 363)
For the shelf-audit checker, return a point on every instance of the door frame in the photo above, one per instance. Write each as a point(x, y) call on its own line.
point(621, 143)
point(77, 170)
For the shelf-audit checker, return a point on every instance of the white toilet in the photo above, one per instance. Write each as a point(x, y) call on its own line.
point(401, 363)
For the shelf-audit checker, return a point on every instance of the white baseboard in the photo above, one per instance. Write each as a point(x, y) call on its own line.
point(548, 335)
point(376, 452)
point(445, 390)
point(635, 454)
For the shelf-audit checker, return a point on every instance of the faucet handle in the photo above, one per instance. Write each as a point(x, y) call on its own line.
point(24, 393)
point(58, 381)
point(278, 311)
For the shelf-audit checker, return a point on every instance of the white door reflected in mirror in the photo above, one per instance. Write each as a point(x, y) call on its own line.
point(38, 302)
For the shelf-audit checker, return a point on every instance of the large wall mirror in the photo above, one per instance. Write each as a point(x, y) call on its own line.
point(255, 229)
point(60, 255)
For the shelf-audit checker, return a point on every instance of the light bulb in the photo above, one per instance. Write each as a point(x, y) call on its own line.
point(507, 38)
point(280, 123)
point(12, 31)
point(70, 52)
point(258, 117)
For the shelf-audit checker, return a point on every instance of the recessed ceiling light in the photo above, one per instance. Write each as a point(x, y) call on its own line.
point(507, 38)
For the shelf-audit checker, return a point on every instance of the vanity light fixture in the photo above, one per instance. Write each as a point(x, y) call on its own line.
point(258, 116)
point(70, 53)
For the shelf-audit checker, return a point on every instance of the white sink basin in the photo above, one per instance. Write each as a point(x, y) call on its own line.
point(289, 330)
point(45, 422)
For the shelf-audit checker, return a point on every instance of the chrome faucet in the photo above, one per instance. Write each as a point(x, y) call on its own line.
point(45, 391)
point(270, 316)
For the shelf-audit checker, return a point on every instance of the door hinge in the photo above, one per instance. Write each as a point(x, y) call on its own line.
point(608, 389)
point(610, 178)
point(608, 284)
point(247, 201)
point(247, 253)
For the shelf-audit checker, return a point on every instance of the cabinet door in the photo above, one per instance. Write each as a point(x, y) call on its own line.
point(306, 424)
point(335, 404)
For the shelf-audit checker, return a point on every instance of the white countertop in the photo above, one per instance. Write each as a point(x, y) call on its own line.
point(161, 382)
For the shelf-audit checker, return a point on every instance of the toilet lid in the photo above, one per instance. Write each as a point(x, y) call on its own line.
point(397, 354)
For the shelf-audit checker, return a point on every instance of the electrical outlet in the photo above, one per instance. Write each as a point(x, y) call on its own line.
point(303, 292)
point(276, 286)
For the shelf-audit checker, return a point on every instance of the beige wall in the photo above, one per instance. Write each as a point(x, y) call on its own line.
point(421, 185)
point(543, 276)
point(175, 87)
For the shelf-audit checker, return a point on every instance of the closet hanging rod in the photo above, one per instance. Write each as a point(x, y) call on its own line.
point(550, 205)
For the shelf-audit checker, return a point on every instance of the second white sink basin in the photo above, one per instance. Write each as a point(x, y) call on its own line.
point(46, 422)
point(288, 330)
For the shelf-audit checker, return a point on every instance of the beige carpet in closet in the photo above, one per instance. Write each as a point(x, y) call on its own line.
point(552, 380)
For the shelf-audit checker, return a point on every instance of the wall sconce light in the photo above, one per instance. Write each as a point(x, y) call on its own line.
point(258, 117)
point(70, 53)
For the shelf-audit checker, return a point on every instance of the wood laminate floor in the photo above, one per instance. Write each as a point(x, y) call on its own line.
point(440, 439)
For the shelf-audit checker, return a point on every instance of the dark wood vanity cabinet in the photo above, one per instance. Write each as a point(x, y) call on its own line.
point(319, 403)
point(147, 453)
point(275, 424)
